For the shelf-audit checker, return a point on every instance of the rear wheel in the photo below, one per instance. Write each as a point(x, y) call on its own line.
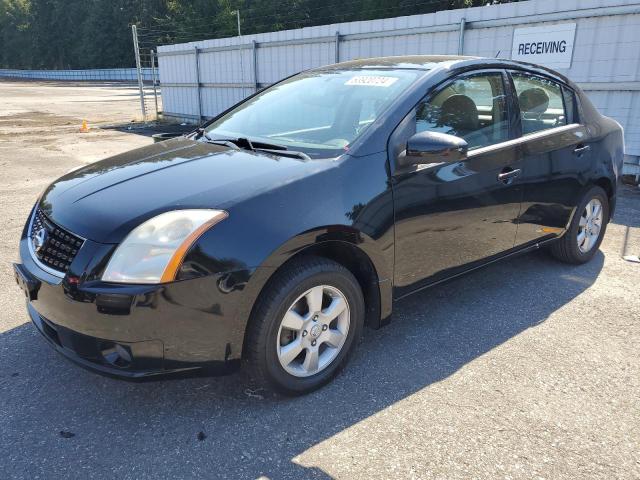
point(584, 236)
point(305, 325)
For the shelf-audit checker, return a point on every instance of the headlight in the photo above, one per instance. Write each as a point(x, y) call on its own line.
point(154, 251)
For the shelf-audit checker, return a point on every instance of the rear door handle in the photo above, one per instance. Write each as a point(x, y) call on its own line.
point(508, 175)
point(580, 149)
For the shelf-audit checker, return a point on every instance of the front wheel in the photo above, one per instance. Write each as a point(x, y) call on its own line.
point(305, 325)
point(583, 237)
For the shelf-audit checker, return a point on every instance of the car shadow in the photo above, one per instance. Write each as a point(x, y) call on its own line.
point(154, 429)
point(149, 129)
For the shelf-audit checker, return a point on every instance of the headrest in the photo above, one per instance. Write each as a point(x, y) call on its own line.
point(460, 112)
point(534, 100)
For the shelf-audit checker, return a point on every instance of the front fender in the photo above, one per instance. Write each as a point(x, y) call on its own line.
point(311, 241)
point(349, 200)
point(251, 280)
point(332, 233)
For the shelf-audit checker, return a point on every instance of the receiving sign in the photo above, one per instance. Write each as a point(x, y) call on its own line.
point(550, 45)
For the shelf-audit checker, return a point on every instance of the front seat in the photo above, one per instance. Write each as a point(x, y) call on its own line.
point(460, 113)
point(533, 103)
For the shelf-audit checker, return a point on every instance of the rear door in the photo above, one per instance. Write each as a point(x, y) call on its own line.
point(450, 216)
point(555, 155)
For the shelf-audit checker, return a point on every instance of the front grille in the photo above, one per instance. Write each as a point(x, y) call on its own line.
point(52, 245)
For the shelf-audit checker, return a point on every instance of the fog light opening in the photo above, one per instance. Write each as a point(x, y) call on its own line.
point(117, 355)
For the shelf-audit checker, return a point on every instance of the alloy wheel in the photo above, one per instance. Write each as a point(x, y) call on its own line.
point(590, 225)
point(313, 331)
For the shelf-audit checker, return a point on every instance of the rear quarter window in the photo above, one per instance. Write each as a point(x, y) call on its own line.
point(570, 105)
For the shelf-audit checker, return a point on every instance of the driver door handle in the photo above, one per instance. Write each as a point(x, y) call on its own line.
point(508, 175)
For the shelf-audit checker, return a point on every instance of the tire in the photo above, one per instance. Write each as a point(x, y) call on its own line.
point(568, 249)
point(272, 341)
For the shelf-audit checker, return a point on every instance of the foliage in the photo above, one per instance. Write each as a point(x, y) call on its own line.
point(57, 34)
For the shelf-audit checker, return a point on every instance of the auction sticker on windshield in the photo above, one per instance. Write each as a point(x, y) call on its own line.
point(372, 81)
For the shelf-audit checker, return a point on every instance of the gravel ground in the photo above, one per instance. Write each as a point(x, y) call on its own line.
point(525, 369)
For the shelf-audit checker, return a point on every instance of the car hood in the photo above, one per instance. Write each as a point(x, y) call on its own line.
point(104, 201)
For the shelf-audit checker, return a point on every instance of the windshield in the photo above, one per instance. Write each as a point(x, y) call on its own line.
point(317, 113)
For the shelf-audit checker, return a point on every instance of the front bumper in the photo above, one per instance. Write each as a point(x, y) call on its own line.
point(132, 361)
point(139, 331)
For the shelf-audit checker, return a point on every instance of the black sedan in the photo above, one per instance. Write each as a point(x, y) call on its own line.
point(280, 228)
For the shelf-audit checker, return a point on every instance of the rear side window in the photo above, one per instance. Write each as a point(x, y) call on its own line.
point(541, 103)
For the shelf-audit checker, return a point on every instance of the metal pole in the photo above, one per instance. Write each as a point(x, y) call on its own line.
point(198, 84)
point(241, 55)
point(153, 78)
point(463, 23)
point(337, 52)
point(136, 48)
point(255, 65)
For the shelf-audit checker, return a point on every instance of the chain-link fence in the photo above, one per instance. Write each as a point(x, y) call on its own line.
point(96, 74)
point(145, 76)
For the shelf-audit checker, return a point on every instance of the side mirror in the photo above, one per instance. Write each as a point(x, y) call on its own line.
point(433, 147)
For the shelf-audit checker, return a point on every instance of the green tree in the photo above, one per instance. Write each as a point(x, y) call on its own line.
point(96, 33)
point(14, 33)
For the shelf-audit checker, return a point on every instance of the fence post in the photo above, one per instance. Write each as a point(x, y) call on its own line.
point(198, 85)
point(153, 79)
point(337, 52)
point(255, 64)
point(136, 48)
point(463, 23)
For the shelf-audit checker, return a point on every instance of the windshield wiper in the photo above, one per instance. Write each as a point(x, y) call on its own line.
point(274, 148)
point(199, 132)
point(222, 141)
point(246, 144)
point(285, 153)
point(235, 143)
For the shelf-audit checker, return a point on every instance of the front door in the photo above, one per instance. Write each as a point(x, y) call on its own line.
point(451, 216)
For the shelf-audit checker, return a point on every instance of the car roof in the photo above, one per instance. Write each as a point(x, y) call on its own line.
point(415, 62)
point(429, 63)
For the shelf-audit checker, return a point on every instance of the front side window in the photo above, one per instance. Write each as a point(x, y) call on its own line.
point(473, 108)
point(319, 113)
point(541, 104)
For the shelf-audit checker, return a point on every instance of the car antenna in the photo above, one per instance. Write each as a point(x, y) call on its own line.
point(497, 53)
